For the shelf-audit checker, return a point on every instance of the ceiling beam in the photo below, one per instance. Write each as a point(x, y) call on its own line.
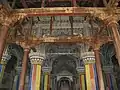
point(61, 39)
point(68, 11)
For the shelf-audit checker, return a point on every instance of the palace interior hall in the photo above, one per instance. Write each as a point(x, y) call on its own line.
point(59, 44)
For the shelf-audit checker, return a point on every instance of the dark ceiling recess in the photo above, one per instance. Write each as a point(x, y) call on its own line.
point(52, 3)
point(59, 4)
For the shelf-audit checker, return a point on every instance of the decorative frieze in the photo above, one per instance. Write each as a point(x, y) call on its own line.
point(88, 57)
point(36, 58)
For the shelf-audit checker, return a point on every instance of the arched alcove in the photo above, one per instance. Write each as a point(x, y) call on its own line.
point(64, 66)
point(64, 83)
point(10, 72)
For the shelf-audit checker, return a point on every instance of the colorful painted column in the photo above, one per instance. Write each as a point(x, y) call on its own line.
point(46, 72)
point(109, 78)
point(3, 63)
point(82, 81)
point(36, 61)
point(90, 72)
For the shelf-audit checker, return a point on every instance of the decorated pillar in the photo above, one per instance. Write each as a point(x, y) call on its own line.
point(3, 63)
point(109, 78)
point(82, 80)
point(46, 75)
point(99, 69)
point(90, 70)
point(111, 22)
point(36, 61)
point(24, 69)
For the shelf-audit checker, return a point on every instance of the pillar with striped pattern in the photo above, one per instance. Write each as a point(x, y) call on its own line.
point(90, 72)
point(36, 67)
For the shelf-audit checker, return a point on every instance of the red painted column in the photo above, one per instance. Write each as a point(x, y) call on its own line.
point(99, 70)
point(24, 69)
point(3, 37)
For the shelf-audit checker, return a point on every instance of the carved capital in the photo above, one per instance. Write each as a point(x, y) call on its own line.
point(46, 70)
point(88, 57)
point(36, 58)
point(81, 70)
point(108, 16)
point(111, 20)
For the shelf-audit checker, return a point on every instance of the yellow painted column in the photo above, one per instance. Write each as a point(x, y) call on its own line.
point(3, 63)
point(89, 61)
point(82, 80)
point(36, 64)
point(46, 71)
point(46, 76)
point(81, 72)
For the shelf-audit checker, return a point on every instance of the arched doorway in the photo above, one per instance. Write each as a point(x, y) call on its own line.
point(64, 71)
point(64, 84)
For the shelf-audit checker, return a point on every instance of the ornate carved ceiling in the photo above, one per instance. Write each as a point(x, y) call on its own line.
point(43, 28)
